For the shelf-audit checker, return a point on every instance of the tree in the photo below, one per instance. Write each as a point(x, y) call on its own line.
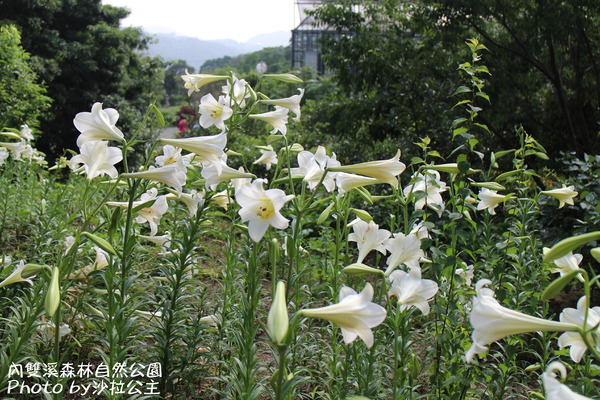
point(393, 83)
point(22, 99)
point(544, 60)
point(82, 56)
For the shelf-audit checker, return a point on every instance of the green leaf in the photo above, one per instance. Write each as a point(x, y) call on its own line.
point(461, 89)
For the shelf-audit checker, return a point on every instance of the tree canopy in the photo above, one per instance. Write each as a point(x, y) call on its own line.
point(79, 52)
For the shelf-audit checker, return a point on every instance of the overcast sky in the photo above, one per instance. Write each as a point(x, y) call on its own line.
point(239, 20)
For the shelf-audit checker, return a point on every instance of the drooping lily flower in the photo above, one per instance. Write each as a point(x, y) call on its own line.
point(207, 148)
point(16, 148)
point(568, 263)
point(193, 82)
point(564, 195)
point(192, 200)
point(429, 183)
point(556, 390)
point(3, 155)
point(411, 290)
point(355, 314)
point(97, 159)
point(489, 200)
point(311, 168)
point(213, 112)
point(382, 170)
point(492, 321)
point(268, 157)
point(25, 133)
point(151, 214)
point(404, 249)
point(237, 92)
point(97, 125)
point(277, 119)
point(346, 182)
point(172, 174)
point(260, 208)
point(163, 241)
point(577, 317)
point(22, 273)
point(466, 273)
point(368, 237)
point(215, 174)
point(291, 103)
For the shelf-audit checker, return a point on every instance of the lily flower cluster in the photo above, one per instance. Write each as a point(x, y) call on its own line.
point(404, 250)
point(21, 149)
point(97, 127)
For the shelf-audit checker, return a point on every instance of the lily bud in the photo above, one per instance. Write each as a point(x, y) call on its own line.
point(53, 294)
point(278, 321)
point(288, 78)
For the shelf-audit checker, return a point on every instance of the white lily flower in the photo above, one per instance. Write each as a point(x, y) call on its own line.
point(48, 331)
point(346, 182)
point(215, 174)
point(260, 208)
point(97, 125)
point(193, 82)
point(492, 321)
point(163, 241)
point(311, 168)
point(568, 263)
point(152, 214)
point(237, 183)
point(192, 200)
point(368, 237)
point(25, 133)
point(173, 175)
point(556, 390)
point(237, 92)
point(221, 199)
point(489, 200)
point(213, 112)
point(292, 103)
point(207, 148)
point(382, 170)
point(212, 320)
point(563, 195)
point(21, 273)
point(99, 263)
point(98, 159)
point(577, 317)
point(466, 273)
point(411, 290)
point(268, 157)
point(171, 155)
point(16, 148)
point(277, 119)
point(355, 314)
point(430, 184)
point(3, 155)
point(420, 231)
point(403, 250)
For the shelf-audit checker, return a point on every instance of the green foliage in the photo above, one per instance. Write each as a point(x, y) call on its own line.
point(545, 61)
point(22, 98)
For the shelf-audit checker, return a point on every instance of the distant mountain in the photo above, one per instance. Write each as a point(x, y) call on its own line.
point(172, 47)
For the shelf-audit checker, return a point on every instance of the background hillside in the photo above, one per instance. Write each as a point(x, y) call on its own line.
point(195, 52)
